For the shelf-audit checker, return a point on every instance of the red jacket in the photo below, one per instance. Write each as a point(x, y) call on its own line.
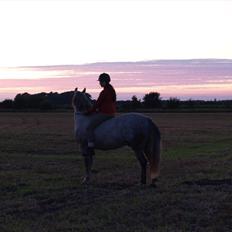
point(106, 102)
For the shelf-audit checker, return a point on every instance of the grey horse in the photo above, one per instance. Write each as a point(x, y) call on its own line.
point(130, 129)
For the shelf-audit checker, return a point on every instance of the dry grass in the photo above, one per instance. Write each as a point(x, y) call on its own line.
point(40, 172)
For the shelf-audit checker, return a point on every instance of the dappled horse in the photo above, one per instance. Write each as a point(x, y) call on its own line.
point(134, 130)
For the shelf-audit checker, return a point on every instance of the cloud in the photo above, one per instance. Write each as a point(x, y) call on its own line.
point(170, 77)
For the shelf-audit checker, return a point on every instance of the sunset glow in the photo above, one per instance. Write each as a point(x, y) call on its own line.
point(178, 48)
point(197, 79)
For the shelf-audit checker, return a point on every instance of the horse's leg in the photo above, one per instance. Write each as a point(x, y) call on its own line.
point(88, 160)
point(143, 163)
point(152, 152)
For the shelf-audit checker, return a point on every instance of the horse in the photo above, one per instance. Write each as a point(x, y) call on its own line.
point(130, 129)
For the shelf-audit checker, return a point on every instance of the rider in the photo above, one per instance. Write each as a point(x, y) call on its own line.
point(103, 109)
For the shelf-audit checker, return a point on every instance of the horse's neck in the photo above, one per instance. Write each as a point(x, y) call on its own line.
point(78, 118)
point(80, 121)
point(87, 102)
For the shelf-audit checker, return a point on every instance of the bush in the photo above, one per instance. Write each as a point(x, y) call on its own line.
point(135, 102)
point(152, 100)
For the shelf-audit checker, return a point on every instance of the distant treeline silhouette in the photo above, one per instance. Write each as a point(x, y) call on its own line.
point(43, 101)
point(150, 101)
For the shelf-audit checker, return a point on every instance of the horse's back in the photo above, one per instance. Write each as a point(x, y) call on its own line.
point(127, 121)
point(122, 130)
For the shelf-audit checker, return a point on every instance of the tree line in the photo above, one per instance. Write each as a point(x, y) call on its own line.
point(152, 100)
point(43, 101)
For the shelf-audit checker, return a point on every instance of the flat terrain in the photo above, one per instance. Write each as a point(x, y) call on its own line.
point(41, 170)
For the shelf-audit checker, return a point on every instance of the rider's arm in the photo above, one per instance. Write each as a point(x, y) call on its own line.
point(98, 103)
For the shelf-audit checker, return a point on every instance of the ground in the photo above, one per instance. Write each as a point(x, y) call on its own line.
point(41, 170)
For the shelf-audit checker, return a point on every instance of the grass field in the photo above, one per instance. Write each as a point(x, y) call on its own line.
point(41, 170)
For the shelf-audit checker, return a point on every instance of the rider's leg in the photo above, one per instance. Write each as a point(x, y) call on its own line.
point(96, 120)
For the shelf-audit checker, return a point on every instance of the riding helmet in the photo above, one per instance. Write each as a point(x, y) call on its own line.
point(104, 77)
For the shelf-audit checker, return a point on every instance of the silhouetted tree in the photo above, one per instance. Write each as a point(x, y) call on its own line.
point(34, 101)
point(152, 100)
point(45, 105)
point(135, 102)
point(6, 104)
point(27, 100)
point(20, 101)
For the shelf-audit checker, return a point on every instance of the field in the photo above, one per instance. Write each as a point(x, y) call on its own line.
point(41, 170)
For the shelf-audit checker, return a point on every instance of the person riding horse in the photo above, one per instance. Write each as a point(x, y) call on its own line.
point(103, 109)
point(134, 130)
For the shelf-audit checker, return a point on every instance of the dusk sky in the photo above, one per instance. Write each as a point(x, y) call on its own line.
point(50, 45)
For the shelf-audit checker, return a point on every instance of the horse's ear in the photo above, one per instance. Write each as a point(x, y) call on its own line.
point(83, 91)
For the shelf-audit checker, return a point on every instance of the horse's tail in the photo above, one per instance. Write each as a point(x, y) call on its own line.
point(153, 149)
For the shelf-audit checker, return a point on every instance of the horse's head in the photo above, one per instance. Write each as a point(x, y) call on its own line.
point(81, 101)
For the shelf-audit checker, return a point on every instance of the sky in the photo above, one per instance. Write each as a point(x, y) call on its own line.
point(184, 79)
point(37, 34)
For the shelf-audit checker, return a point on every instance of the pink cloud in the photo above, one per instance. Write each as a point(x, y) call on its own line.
point(184, 79)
